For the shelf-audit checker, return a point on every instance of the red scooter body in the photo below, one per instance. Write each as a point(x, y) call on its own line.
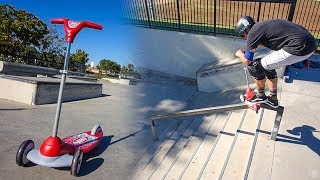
point(54, 146)
point(248, 95)
point(69, 151)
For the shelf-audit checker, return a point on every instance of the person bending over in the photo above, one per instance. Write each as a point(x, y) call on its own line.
point(291, 43)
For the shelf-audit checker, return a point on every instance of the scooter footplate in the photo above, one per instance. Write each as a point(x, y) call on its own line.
point(57, 161)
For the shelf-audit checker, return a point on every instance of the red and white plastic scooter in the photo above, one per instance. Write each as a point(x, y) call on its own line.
point(248, 95)
point(67, 152)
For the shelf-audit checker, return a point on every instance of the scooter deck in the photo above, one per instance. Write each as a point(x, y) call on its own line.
point(253, 106)
point(85, 141)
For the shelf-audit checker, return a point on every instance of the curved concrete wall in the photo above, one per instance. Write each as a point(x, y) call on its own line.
point(180, 53)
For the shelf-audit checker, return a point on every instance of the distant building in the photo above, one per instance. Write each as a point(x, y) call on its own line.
point(93, 69)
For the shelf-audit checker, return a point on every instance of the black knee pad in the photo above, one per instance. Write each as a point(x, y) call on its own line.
point(256, 70)
point(271, 74)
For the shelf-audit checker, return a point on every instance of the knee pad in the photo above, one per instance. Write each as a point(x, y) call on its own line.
point(271, 74)
point(256, 70)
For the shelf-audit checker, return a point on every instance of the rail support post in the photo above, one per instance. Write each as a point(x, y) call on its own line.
point(277, 122)
point(154, 131)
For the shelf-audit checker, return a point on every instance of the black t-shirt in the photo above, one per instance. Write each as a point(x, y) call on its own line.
point(278, 34)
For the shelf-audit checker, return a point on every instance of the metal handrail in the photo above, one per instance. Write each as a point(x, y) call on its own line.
point(217, 109)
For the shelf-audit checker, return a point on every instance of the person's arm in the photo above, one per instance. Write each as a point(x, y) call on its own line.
point(246, 57)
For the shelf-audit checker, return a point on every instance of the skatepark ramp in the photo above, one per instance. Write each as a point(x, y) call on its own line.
point(223, 142)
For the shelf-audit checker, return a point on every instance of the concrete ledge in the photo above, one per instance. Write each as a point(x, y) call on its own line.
point(227, 74)
point(10, 68)
point(37, 91)
point(121, 81)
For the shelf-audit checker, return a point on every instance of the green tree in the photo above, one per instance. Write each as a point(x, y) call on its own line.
point(80, 56)
point(23, 33)
point(124, 70)
point(109, 65)
point(52, 45)
point(21, 28)
point(129, 71)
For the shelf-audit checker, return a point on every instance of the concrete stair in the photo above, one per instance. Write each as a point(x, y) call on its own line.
point(230, 145)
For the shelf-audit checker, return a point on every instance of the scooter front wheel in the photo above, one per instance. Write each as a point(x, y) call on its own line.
point(24, 149)
point(242, 97)
point(76, 162)
point(96, 129)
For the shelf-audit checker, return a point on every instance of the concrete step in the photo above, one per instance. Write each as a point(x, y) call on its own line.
point(261, 165)
point(237, 164)
point(216, 161)
point(155, 147)
point(209, 142)
point(177, 140)
point(174, 170)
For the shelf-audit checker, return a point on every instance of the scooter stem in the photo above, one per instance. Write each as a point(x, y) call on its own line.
point(245, 71)
point(62, 83)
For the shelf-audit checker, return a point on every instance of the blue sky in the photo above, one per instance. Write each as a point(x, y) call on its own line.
point(113, 42)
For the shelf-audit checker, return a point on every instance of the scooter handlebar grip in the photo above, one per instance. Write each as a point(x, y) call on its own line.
point(92, 25)
point(58, 20)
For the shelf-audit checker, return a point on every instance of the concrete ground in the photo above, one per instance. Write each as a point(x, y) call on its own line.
point(123, 114)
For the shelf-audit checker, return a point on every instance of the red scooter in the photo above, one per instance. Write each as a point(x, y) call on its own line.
point(69, 151)
point(248, 95)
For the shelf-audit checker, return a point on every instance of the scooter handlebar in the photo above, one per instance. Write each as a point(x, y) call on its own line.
point(57, 21)
point(72, 28)
point(92, 25)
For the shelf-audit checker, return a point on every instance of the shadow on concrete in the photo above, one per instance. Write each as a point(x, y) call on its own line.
point(105, 95)
point(90, 163)
point(306, 137)
point(14, 109)
point(132, 134)
point(90, 166)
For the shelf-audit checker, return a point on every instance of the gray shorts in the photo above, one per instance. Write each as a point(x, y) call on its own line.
point(281, 58)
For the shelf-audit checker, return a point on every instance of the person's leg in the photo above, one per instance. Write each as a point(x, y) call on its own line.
point(260, 86)
point(273, 98)
point(256, 70)
point(272, 84)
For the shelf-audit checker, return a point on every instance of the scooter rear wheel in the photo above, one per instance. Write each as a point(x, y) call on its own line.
point(96, 129)
point(24, 149)
point(76, 162)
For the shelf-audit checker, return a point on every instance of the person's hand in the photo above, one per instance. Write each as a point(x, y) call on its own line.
point(239, 53)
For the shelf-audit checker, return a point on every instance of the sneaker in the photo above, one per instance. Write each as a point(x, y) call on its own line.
point(272, 103)
point(258, 99)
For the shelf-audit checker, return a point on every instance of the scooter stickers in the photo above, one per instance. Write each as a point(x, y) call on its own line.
point(84, 141)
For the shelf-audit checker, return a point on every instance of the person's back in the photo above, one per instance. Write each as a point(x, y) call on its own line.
point(281, 34)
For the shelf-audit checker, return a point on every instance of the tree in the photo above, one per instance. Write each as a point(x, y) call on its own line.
point(52, 45)
point(129, 71)
point(20, 28)
point(80, 56)
point(24, 34)
point(109, 65)
point(124, 70)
